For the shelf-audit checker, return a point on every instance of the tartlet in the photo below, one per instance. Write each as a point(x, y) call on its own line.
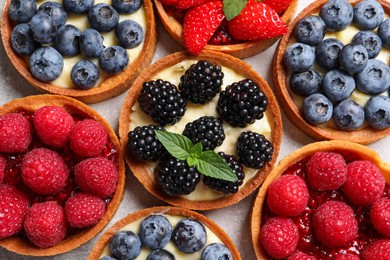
point(364, 135)
point(30, 104)
point(239, 50)
point(141, 169)
point(111, 86)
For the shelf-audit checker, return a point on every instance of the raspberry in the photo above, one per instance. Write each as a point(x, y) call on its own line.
point(326, 171)
point(15, 133)
point(288, 196)
point(279, 237)
point(53, 125)
point(379, 250)
point(347, 257)
point(44, 171)
point(45, 224)
point(301, 256)
point(97, 176)
point(88, 138)
point(3, 163)
point(380, 216)
point(13, 207)
point(84, 210)
point(365, 183)
point(334, 224)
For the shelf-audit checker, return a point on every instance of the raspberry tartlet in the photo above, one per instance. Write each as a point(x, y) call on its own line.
point(331, 220)
point(81, 75)
point(65, 207)
point(170, 221)
point(246, 132)
point(327, 94)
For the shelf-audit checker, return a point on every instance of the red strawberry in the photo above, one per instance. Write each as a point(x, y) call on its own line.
point(278, 5)
point(200, 23)
point(256, 22)
point(169, 2)
point(185, 4)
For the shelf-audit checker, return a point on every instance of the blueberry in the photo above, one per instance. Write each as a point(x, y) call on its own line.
point(22, 40)
point(353, 58)
point(216, 251)
point(56, 11)
point(91, 43)
point(155, 231)
point(43, 28)
point(129, 34)
point(127, 6)
point(370, 41)
point(374, 79)
point(305, 83)
point(125, 245)
point(310, 30)
point(348, 115)
point(338, 85)
point(21, 11)
point(67, 40)
point(78, 6)
point(103, 17)
point(327, 53)
point(337, 14)
point(107, 258)
point(189, 236)
point(160, 254)
point(368, 14)
point(384, 32)
point(377, 112)
point(317, 109)
point(46, 64)
point(85, 74)
point(114, 59)
point(299, 57)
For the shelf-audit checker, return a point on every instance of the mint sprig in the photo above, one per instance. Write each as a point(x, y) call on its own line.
point(208, 163)
point(232, 8)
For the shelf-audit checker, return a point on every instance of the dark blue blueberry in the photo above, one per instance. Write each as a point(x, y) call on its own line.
point(43, 28)
point(189, 236)
point(368, 14)
point(305, 83)
point(85, 74)
point(377, 111)
point(91, 43)
point(103, 17)
point(337, 14)
point(155, 231)
point(127, 6)
point(129, 34)
point(216, 251)
point(46, 64)
point(353, 58)
point(299, 57)
point(78, 6)
point(310, 30)
point(107, 258)
point(384, 32)
point(125, 245)
point(338, 85)
point(317, 109)
point(374, 79)
point(22, 40)
point(327, 53)
point(67, 40)
point(21, 11)
point(113, 60)
point(348, 115)
point(160, 254)
point(370, 41)
point(56, 11)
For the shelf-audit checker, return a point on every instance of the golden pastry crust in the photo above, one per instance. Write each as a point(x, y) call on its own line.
point(364, 135)
point(110, 87)
point(240, 50)
point(140, 170)
point(31, 104)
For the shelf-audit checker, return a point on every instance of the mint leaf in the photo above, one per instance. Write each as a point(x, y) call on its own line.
point(191, 161)
point(232, 8)
point(197, 150)
point(179, 146)
point(212, 165)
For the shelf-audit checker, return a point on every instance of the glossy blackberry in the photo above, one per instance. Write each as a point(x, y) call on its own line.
point(254, 150)
point(201, 82)
point(175, 177)
point(208, 130)
point(227, 186)
point(162, 101)
point(241, 103)
point(144, 145)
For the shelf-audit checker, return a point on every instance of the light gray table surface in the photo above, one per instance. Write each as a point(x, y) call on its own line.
point(234, 219)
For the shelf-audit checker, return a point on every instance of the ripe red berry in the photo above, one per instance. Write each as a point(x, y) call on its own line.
point(185, 4)
point(3, 163)
point(347, 257)
point(380, 216)
point(15, 133)
point(379, 250)
point(169, 2)
point(278, 5)
point(301, 256)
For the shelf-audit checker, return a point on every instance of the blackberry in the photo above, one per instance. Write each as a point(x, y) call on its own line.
point(162, 101)
point(227, 186)
point(201, 82)
point(175, 177)
point(254, 150)
point(144, 145)
point(241, 103)
point(208, 130)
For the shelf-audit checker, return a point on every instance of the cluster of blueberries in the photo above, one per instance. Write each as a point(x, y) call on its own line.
point(348, 67)
point(42, 34)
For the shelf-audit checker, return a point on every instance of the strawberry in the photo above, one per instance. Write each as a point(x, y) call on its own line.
point(185, 4)
point(169, 2)
point(256, 22)
point(200, 23)
point(278, 5)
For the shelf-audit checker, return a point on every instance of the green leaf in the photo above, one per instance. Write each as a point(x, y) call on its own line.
point(232, 8)
point(179, 146)
point(197, 150)
point(212, 165)
point(191, 161)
